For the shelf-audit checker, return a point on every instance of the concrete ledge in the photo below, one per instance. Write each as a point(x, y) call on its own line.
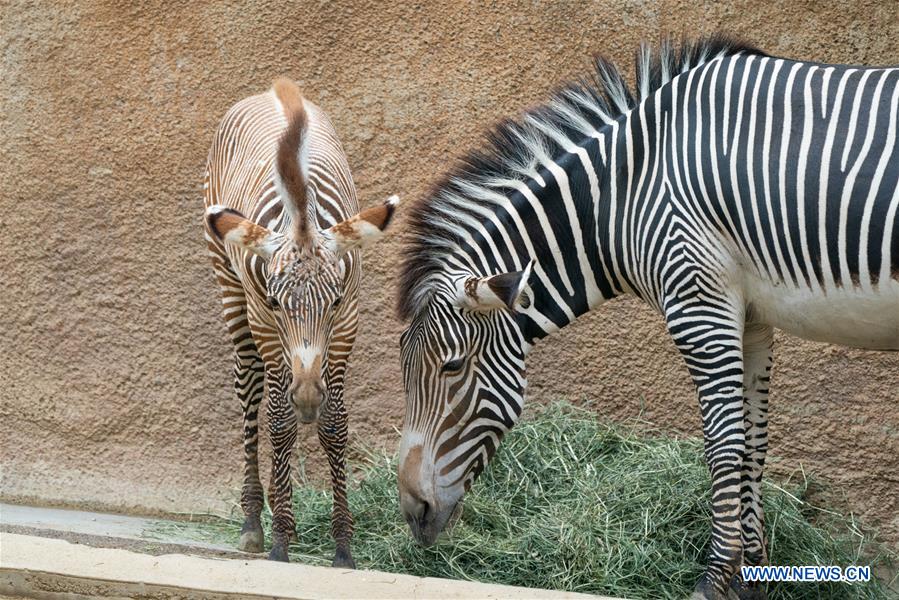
point(39, 567)
point(78, 526)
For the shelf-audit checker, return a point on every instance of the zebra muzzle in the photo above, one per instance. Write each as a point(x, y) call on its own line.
point(426, 512)
point(307, 396)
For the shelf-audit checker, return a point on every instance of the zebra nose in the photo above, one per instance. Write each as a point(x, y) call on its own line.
point(412, 500)
point(307, 391)
point(299, 385)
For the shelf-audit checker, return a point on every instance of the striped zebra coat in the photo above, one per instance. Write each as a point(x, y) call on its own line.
point(283, 229)
point(736, 194)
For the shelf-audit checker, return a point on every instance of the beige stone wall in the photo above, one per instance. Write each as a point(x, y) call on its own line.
point(116, 385)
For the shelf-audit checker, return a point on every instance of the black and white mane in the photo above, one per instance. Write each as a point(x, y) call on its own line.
point(515, 148)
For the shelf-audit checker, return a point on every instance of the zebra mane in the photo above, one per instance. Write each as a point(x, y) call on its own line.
point(516, 148)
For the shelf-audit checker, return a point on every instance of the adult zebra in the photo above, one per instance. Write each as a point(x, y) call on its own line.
point(289, 275)
point(739, 193)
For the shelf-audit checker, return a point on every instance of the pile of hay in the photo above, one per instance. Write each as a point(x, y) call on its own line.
point(573, 504)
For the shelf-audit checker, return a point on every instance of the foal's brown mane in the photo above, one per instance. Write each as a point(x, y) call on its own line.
point(287, 158)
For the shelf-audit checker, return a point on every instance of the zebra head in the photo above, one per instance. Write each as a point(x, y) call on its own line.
point(464, 378)
point(304, 289)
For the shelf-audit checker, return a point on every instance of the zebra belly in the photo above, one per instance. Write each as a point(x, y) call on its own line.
point(848, 316)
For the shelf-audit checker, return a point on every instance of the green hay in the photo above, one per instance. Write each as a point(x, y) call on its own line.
point(573, 504)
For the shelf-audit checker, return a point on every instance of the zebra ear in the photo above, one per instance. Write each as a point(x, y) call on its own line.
point(360, 230)
point(232, 227)
point(506, 290)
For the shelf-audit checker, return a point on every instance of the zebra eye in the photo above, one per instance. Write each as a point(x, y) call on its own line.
point(452, 366)
point(273, 302)
point(336, 302)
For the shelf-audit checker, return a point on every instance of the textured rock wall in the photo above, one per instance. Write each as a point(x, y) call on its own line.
point(116, 386)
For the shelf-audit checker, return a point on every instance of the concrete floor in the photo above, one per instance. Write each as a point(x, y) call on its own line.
point(55, 554)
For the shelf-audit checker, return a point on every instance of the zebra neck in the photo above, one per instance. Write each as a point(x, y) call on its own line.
point(578, 199)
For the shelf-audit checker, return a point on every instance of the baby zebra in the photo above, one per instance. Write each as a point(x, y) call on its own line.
point(284, 244)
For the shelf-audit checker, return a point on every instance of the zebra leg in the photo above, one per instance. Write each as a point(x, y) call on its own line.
point(758, 341)
point(332, 433)
point(249, 379)
point(709, 336)
point(332, 430)
point(282, 426)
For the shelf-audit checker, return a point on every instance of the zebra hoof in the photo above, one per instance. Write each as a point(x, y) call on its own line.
point(343, 560)
point(251, 537)
point(704, 590)
point(344, 563)
point(251, 541)
point(747, 591)
point(278, 553)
